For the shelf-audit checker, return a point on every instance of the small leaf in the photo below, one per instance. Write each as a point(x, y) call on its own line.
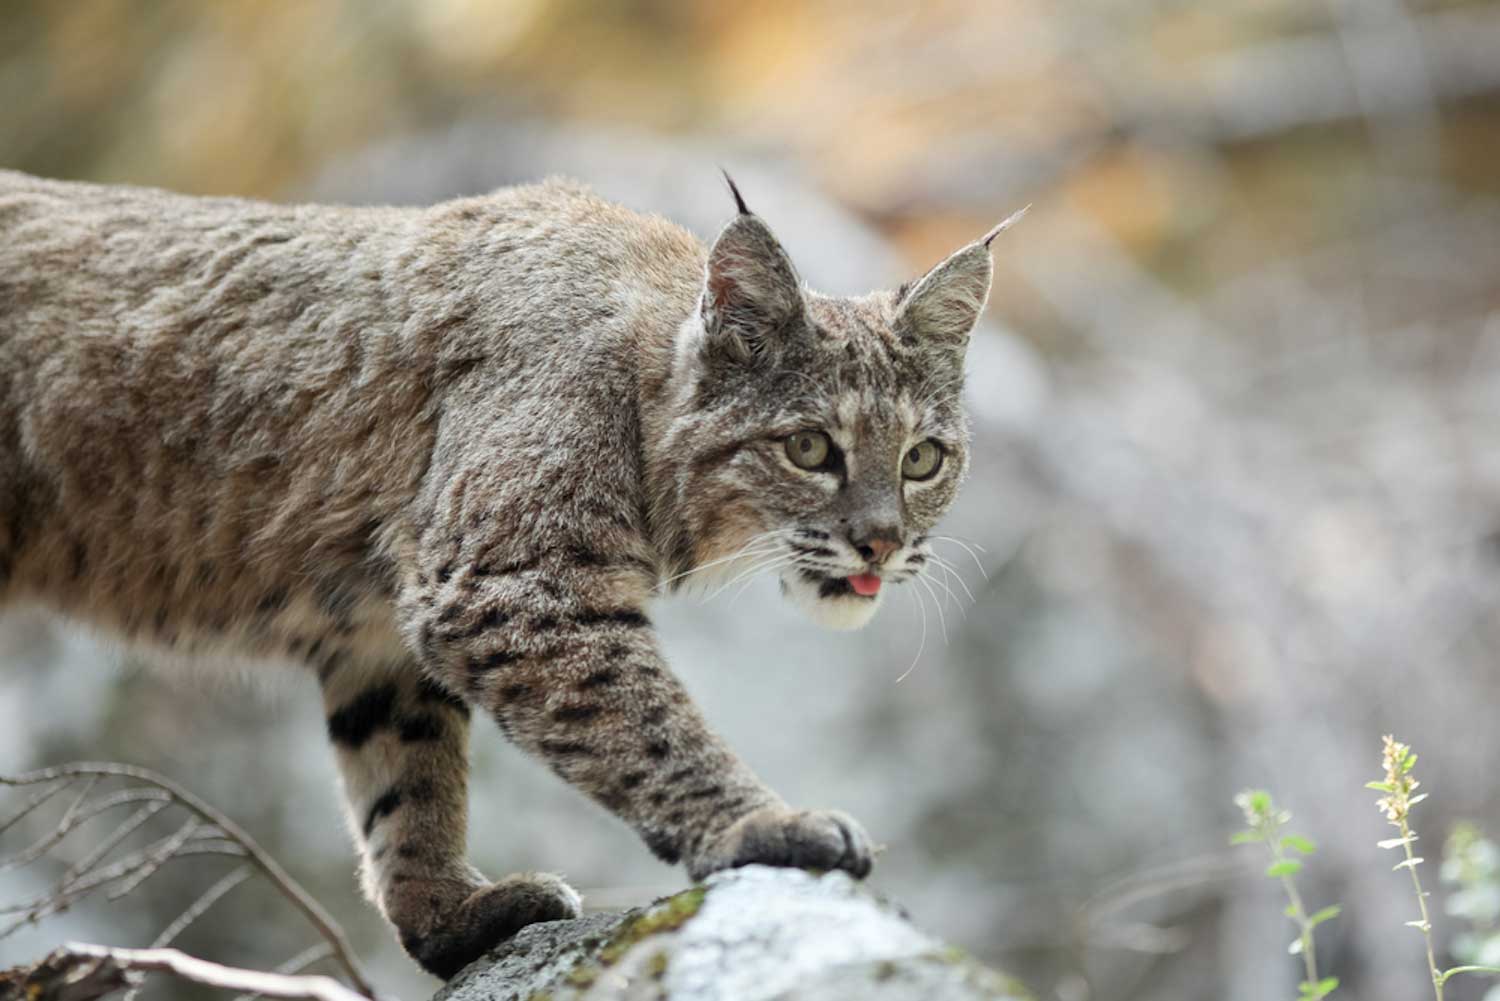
point(1286, 867)
point(1326, 914)
point(1290, 911)
point(1406, 765)
point(1419, 925)
point(1380, 786)
point(1245, 838)
point(1408, 863)
point(1297, 842)
point(1396, 842)
point(1260, 801)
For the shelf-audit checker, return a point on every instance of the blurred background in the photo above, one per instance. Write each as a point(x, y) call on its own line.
point(1235, 502)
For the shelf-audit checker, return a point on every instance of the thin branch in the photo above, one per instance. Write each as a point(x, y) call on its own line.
point(119, 834)
point(307, 957)
point(81, 972)
point(208, 898)
point(269, 867)
point(33, 803)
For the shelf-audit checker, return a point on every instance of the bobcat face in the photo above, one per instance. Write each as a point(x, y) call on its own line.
point(818, 438)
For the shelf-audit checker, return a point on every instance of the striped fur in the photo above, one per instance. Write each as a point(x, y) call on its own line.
point(444, 457)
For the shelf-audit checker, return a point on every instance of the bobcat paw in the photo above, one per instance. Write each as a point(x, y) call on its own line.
point(801, 839)
point(489, 916)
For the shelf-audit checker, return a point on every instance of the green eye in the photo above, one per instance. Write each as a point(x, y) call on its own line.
point(808, 449)
point(922, 460)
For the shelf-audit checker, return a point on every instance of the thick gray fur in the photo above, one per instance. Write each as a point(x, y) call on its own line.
point(445, 457)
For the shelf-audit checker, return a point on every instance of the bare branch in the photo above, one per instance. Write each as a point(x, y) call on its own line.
point(83, 972)
point(74, 819)
point(31, 804)
point(119, 834)
point(227, 838)
point(208, 898)
point(155, 860)
point(307, 957)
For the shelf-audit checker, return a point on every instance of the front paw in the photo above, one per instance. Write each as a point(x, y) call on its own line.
point(800, 839)
point(489, 916)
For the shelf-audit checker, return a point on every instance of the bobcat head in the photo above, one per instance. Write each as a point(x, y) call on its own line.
point(819, 438)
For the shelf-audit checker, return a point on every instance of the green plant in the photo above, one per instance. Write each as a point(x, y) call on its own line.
point(1266, 823)
point(1471, 865)
point(1399, 786)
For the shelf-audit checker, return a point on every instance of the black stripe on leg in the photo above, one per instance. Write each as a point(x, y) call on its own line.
point(627, 617)
point(421, 727)
point(370, 710)
point(387, 804)
point(600, 679)
point(577, 714)
point(663, 846)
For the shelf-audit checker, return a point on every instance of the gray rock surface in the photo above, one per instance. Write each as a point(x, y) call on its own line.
point(752, 934)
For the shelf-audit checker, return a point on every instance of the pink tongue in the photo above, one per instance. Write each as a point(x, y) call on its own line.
point(867, 584)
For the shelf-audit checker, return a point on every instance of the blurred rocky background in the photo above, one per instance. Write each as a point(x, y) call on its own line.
point(1235, 508)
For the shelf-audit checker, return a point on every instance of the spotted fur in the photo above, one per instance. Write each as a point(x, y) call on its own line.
point(444, 457)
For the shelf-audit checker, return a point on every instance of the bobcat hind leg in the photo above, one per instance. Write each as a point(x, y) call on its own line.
point(402, 748)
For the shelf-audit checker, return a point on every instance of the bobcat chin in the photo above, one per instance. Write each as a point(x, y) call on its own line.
point(444, 457)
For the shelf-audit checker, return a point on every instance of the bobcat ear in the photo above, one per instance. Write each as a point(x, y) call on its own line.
point(750, 291)
point(944, 305)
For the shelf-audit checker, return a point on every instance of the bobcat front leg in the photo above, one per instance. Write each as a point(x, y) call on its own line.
point(557, 647)
point(402, 748)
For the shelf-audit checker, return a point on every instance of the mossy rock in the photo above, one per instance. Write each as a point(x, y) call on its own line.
point(753, 934)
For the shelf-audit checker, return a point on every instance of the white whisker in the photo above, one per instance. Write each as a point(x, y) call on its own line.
point(922, 643)
point(952, 570)
point(936, 604)
point(763, 563)
point(968, 548)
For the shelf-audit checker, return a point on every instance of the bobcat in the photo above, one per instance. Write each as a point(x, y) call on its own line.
point(444, 458)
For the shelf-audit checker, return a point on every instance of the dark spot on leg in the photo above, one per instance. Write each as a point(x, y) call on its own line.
point(576, 714)
point(370, 710)
point(421, 727)
point(628, 617)
point(566, 748)
point(600, 679)
point(492, 661)
point(663, 846)
point(272, 602)
point(384, 806)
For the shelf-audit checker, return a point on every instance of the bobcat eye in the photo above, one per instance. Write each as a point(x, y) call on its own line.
point(809, 449)
point(922, 460)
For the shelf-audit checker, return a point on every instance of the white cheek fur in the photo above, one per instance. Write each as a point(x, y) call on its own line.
point(842, 613)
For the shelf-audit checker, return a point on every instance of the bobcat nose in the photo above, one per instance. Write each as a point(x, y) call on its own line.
point(876, 545)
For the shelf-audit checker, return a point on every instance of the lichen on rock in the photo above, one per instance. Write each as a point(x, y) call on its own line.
point(751, 934)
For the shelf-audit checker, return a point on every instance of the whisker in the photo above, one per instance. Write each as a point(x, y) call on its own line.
point(949, 568)
point(950, 595)
point(763, 537)
point(936, 604)
point(762, 563)
point(969, 548)
point(743, 587)
point(922, 643)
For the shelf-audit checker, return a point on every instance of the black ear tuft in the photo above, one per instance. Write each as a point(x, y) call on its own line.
point(739, 200)
point(751, 293)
